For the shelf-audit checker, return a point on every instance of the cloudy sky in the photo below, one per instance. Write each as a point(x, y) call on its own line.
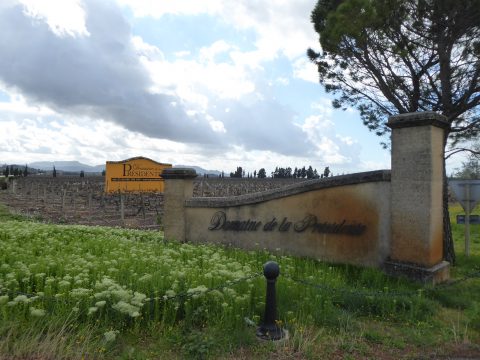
point(212, 83)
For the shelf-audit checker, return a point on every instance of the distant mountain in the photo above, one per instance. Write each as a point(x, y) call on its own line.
point(201, 171)
point(75, 166)
point(72, 166)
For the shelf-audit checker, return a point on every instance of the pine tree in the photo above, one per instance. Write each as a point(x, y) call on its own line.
point(388, 57)
point(326, 172)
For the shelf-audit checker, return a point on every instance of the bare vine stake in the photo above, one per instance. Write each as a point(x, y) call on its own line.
point(122, 208)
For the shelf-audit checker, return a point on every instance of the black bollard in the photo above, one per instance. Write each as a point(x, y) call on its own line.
point(269, 329)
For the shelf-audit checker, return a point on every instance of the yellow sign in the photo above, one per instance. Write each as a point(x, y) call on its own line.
point(138, 174)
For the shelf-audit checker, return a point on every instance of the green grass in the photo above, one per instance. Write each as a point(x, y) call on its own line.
point(116, 293)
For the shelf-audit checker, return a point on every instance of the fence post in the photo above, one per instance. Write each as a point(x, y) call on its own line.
point(269, 329)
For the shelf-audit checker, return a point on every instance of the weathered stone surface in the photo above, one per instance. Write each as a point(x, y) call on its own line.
point(417, 185)
point(418, 119)
point(179, 173)
point(179, 186)
point(347, 212)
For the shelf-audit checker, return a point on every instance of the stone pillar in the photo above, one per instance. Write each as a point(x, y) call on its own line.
point(178, 188)
point(416, 197)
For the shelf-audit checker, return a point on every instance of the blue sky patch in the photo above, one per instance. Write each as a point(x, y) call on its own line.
point(173, 34)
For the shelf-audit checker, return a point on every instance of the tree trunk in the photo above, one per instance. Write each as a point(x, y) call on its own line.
point(448, 248)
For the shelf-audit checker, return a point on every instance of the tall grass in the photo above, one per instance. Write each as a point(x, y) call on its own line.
point(73, 291)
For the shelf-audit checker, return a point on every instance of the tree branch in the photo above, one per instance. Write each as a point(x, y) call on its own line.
point(458, 150)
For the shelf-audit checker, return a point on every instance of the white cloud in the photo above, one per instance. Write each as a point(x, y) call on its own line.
point(319, 131)
point(109, 95)
point(323, 107)
point(333, 149)
point(64, 18)
point(35, 137)
point(18, 104)
point(208, 54)
point(145, 50)
point(216, 125)
point(157, 9)
point(304, 69)
point(281, 27)
point(197, 80)
point(100, 76)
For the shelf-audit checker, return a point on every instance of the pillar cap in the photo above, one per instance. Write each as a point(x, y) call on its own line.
point(179, 173)
point(418, 119)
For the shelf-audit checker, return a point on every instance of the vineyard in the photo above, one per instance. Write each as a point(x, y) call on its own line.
point(75, 200)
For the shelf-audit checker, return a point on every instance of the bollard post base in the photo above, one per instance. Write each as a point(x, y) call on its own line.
point(273, 334)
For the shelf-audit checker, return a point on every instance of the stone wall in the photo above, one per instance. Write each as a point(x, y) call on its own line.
point(387, 219)
point(337, 219)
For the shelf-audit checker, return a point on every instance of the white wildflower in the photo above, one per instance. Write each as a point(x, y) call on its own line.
point(64, 283)
point(138, 299)
point(110, 335)
point(37, 312)
point(92, 310)
point(80, 292)
point(145, 278)
point(100, 304)
point(126, 308)
point(21, 299)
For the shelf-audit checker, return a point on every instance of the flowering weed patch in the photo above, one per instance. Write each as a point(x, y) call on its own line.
point(95, 291)
point(120, 277)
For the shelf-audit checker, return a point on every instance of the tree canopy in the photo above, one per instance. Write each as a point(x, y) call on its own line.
point(386, 57)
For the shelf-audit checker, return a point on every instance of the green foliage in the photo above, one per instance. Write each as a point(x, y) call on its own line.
point(326, 172)
point(386, 57)
point(199, 345)
point(262, 173)
point(239, 173)
point(285, 173)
